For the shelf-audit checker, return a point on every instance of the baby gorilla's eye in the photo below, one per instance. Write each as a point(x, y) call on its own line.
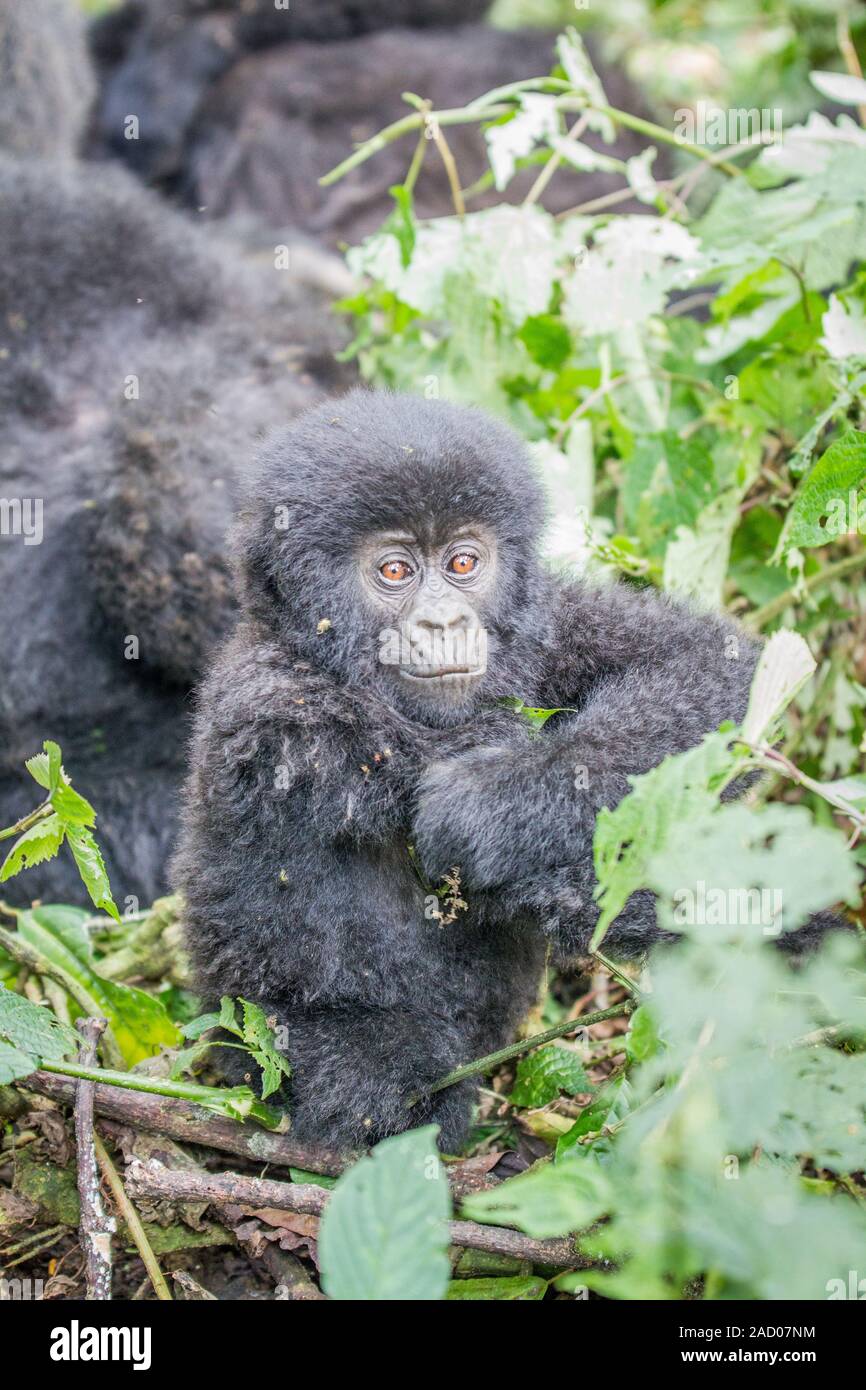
point(464, 562)
point(395, 571)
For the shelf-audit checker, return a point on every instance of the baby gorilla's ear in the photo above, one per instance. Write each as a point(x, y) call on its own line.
point(256, 561)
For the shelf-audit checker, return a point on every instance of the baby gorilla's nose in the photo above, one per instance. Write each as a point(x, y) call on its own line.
point(445, 639)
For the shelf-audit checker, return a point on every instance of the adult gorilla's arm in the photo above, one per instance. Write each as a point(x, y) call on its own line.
point(648, 677)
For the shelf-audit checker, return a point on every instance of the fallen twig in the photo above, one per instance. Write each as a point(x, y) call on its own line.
point(233, 1189)
point(191, 1124)
point(132, 1219)
point(96, 1225)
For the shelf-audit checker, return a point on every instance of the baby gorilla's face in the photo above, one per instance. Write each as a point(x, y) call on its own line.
point(429, 596)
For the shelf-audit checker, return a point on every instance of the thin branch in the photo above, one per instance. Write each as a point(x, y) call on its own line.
point(849, 53)
point(153, 1179)
point(505, 1054)
point(631, 988)
point(131, 1217)
point(797, 592)
point(554, 162)
point(774, 760)
point(432, 125)
point(26, 821)
point(480, 113)
point(191, 1124)
point(96, 1225)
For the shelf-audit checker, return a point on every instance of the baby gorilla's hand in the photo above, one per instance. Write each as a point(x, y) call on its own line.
point(465, 816)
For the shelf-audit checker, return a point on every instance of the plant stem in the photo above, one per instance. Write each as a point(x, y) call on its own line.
point(559, 1030)
point(26, 821)
point(132, 1219)
point(450, 165)
point(155, 1086)
point(761, 616)
point(554, 162)
point(628, 985)
point(849, 53)
point(471, 114)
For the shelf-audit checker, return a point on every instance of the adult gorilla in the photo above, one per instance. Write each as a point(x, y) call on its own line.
point(242, 108)
point(139, 362)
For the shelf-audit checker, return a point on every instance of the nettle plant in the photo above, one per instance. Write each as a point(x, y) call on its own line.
point(692, 386)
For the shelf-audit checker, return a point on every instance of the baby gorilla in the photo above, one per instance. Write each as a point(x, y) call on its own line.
point(391, 593)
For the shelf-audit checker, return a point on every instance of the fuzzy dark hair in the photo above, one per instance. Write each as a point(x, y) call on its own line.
point(103, 286)
point(308, 783)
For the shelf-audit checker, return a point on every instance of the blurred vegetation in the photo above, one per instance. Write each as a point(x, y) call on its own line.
point(690, 380)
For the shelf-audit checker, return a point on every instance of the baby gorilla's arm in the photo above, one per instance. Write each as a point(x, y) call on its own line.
point(648, 678)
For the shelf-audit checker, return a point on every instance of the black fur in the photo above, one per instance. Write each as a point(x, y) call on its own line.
point(310, 776)
point(236, 126)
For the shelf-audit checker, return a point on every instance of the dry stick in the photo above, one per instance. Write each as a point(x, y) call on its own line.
point(849, 53)
point(554, 162)
point(153, 1179)
point(96, 1225)
point(131, 1217)
point(448, 160)
point(191, 1124)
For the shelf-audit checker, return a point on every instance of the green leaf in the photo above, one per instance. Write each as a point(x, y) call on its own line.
point(138, 1023)
point(515, 1290)
point(546, 339)
point(199, 1025)
point(401, 223)
point(751, 873)
point(91, 866)
point(827, 504)
point(40, 842)
point(642, 1037)
point(228, 1018)
point(34, 1028)
point(536, 121)
point(74, 810)
point(612, 1099)
point(841, 87)
point(681, 789)
point(544, 1073)
point(384, 1234)
point(259, 1037)
point(550, 1200)
point(534, 715)
point(14, 1064)
point(45, 768)
point(784, 667)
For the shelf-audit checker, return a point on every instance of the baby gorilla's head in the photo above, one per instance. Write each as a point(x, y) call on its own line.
point(393, 542)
